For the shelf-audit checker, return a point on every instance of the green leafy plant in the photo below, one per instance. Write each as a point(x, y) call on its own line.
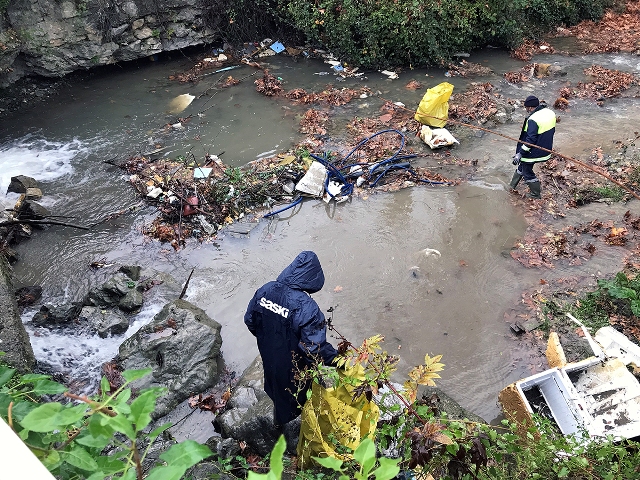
point(365, 456)
point(613, 192)
point(234, 174)
point(398, 33)
point(71, 437)
point(625, 288)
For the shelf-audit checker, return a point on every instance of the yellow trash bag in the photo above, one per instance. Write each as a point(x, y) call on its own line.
point(434, 106)
point(331, 419)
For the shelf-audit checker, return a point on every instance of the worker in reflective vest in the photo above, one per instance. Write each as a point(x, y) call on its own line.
point(537, 131)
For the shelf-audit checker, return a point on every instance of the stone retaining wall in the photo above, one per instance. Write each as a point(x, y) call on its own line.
point(53, 38)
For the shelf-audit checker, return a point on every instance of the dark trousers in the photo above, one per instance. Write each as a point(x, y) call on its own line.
point(526, 170)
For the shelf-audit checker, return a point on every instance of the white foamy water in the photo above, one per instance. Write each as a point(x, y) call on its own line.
point(627, 61)
point(80, 356)
point(37, 158)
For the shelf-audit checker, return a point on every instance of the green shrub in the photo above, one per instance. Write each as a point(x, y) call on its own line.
point(393, 33)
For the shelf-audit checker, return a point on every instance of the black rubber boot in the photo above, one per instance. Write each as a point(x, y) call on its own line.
point(534, 189)
point(515, 180)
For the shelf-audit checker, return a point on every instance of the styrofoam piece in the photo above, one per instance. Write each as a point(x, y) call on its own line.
point(334, 188)
point(313, 181)
point(560, 396)
point(615, 344)
point(202, 172)
point(597, 395)
point(155, 193)
point(611, 399)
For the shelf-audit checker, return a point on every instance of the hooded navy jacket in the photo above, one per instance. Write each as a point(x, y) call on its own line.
point(290, 330)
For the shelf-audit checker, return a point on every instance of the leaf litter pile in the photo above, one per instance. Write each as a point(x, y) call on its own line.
point(615, 32)
point(569, 186)
point(529, 48)
point(468, 69)
point(478, 104)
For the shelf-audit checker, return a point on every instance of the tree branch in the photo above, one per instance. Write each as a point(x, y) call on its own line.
point(97, 406)
point(42, 222)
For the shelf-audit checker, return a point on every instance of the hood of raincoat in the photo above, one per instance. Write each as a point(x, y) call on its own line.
point(304, 273)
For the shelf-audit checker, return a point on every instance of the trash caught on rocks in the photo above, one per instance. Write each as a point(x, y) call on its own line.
point(196, 198)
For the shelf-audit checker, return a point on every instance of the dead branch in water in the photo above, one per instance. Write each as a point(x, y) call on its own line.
point(186, 285)
point(42, 222)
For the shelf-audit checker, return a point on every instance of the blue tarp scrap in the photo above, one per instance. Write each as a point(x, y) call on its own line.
point(277, 47)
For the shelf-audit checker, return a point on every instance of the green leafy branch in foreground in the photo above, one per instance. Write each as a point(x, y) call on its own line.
point(71, 438)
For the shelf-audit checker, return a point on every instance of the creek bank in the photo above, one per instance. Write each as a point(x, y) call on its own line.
point(14, 340)
point(245, 423)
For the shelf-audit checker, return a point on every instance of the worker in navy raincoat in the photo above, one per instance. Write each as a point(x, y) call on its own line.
point(291, 332)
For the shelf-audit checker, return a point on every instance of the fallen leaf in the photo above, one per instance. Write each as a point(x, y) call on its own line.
point(287, 160)
point(226, 395)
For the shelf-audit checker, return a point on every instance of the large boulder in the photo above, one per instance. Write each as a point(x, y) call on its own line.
point(14, 340)
point(253, 425)
point(111, 291)
point(20, 184)
point(182, 346)
point(56, 315)
point(132, 301)
point(30, 210)
point(125, 290)
point(105, 322)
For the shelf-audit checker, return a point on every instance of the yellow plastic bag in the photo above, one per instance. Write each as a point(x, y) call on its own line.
point(434, 106)
point(331, 419)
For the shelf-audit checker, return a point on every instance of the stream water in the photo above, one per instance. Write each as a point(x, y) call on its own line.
point(372, 249)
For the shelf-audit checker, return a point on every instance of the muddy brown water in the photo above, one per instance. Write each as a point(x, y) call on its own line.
point(372, 249)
